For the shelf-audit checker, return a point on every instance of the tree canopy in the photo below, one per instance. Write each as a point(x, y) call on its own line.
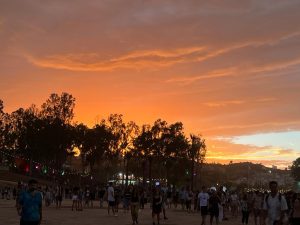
point(47, 136)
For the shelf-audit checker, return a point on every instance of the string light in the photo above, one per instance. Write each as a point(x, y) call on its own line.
point(40, 165)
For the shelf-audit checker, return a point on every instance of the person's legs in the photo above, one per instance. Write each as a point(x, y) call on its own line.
point(153, 218)
point(203, 215)
point(164, 211)
point(113, 208)
point(247, 217)
point(255, 216)
point(217, 220)
point(136, 213)
point(158, 218)
point(132, 214)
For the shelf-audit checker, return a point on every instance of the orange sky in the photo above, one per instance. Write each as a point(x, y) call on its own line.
point(226, 69)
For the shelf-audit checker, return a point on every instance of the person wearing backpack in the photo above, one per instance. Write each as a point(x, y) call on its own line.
point(275, 206)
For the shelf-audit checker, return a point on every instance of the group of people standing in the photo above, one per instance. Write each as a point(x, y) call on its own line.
point(133, 197)
point(269, 208)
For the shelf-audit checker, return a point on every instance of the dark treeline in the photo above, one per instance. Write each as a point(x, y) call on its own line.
point(48, 135)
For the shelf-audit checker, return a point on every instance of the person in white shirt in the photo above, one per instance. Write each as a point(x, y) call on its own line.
point(234, 204)
point(111, 198)
point(203, 198)
point(274, 206)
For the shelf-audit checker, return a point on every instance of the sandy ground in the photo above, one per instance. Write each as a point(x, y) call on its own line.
point(65, 216)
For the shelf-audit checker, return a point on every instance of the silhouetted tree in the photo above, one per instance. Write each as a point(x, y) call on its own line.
point(196, 154)
point(60, 108)
point(295, 169)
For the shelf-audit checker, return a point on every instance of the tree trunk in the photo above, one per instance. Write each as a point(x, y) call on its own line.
point(150, 171)
point(127, 161)
point(144, 174)
point(192, 174)
point(124, 169)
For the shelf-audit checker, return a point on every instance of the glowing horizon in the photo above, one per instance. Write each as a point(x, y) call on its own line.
point(229, 71)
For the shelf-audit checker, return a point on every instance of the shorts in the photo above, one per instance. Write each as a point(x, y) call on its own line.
point(214, 212)
point(204, 210)
point(111, 203)
point(188, 203)
point(74, 197)
point(58, 198)
point(156, 209)
point(22, 222)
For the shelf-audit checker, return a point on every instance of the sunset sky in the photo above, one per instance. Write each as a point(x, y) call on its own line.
point(228, 69)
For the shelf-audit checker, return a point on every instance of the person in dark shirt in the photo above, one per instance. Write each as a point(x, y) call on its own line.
point(156, 205)
point(127, 198)
point(214, 202)
point(134, 206)
point(29, 205)
point(101, 194)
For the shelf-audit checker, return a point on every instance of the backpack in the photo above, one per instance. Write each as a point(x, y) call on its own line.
point(267, 198)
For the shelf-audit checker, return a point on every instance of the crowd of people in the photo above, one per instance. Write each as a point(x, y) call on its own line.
point(267, 208)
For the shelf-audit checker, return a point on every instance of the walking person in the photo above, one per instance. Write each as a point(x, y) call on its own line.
point(80, 199)
point(87, 195)
point(29, 205)
point(92, 197)
point(234, 204)
point(188, 200)
point(14, 193)
point(245, 205)
point(127, 198)
point(75, 198)
point(196, 201)
point(164, 201)
point(257, 207)
point(203, 199)
point(214, 202)
point(175, 194)
point(101, 194)
point(295, 213)
point(274, 206)
point(58, 196)
point(182, 196)
point(111, 198)
point(142, 198)
point(134, 206)
point(156, 205)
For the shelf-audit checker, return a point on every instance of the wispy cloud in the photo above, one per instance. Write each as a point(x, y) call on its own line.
point(237, 71)
point(224, 103)
point(150, 58)
point(132, 60)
